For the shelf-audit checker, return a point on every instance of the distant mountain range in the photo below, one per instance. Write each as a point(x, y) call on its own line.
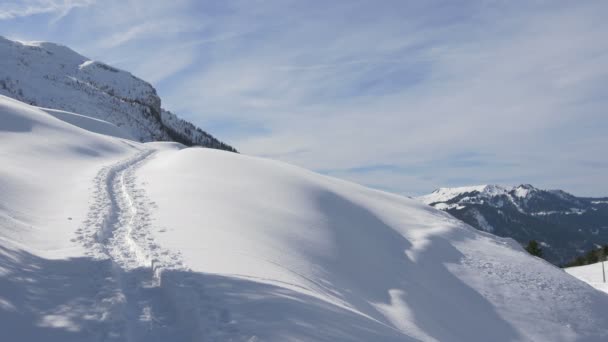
point(565, 225)
point(54, 76)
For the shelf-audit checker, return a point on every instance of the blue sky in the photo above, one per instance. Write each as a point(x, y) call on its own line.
point(405, 96)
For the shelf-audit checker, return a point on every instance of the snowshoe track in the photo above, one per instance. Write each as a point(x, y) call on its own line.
point(118, 224)
point(152, 296)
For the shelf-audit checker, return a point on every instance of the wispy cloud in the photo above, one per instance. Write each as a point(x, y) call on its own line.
point(154, 28)
point(12, 10)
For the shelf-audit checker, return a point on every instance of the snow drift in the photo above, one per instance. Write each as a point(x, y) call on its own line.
point(104, 239)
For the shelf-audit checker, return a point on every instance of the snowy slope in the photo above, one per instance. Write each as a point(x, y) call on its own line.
point(288, 254)
point(47, 167)
point(49, 290)
point(54, 76)
point(89, 123)
point(592, 274)
point(104, 239)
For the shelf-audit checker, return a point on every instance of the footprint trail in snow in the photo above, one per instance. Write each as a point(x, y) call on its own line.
point(153, 296)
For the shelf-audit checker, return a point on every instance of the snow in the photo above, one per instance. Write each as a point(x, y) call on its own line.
point(571, 211)
point(446, 194)
point(481, 220)
point(47, 166)
point(85, 64)
point(445, 206)
point(591, 274)
point(106, 239)
point(485, 191)
point(282, 249)
point(89, 124)
point(522, 192)
point(515, 195)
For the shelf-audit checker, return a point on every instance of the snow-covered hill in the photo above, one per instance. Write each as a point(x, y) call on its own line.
point(54, 76)
point(592, 274)
point(106, 239)
point(565, 225)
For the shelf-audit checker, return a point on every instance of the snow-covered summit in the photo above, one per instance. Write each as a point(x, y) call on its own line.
point(523, 190)
point(486, 190)
point(54, 76)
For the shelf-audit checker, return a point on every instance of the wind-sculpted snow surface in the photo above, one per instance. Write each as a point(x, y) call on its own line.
point(105, 239)
point(299, 256)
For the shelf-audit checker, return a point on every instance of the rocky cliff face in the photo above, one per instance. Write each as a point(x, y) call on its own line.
point(54, 76)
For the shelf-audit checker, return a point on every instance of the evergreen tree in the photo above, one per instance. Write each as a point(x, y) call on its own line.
point(534, 248)
point(591, 257)
point(602, 253)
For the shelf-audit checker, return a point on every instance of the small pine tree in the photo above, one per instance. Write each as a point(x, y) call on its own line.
point(534, 248)
point(602, 253)
point(592, 257)
point(579, 261)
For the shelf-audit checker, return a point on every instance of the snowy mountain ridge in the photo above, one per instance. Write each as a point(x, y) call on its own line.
point(54, 76)
point(481, 191)
point(565, 225)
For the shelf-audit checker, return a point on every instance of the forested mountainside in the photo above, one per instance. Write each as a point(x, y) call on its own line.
point(564, 225)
